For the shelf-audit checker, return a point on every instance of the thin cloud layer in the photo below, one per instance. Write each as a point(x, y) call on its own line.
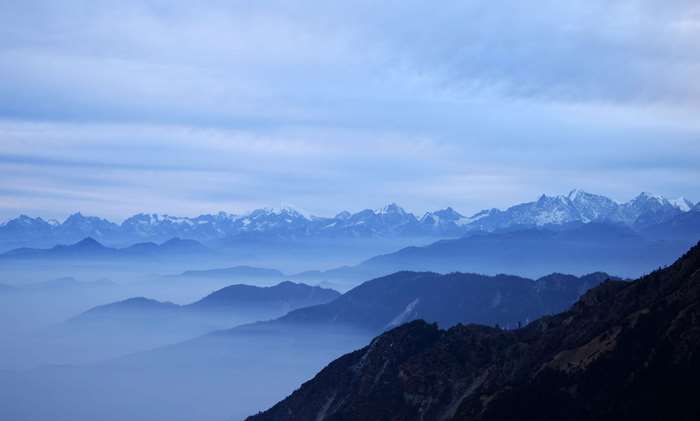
point(119, 107)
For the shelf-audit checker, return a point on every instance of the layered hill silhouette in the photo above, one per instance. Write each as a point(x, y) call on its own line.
point(571, 248)
point(267, 360)
point(234, 302)
point(625, 350)
point(638, 237)
point(89, 248)
point(446, 299)
point(138, 323)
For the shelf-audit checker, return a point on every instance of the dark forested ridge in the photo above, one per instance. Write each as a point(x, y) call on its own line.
point(624, 351)
point(448, 299)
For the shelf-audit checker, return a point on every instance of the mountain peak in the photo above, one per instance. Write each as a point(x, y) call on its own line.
point(650, 197)
point(448, 214)
point(577, 194)
point(75, 215)
point(88, 242)
point(343, 215)
point(294, 212)
point(26, 220)
point(392, 208)
point(576, 206)
point(78, 217)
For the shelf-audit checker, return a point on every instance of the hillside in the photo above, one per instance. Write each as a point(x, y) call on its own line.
point(623, 351)
point(536, 251)
point(447, 300)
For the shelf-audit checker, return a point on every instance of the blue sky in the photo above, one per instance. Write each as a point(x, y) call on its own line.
point(113, 108)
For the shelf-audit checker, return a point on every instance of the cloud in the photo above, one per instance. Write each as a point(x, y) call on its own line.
point(117, 107)
point(286, 62)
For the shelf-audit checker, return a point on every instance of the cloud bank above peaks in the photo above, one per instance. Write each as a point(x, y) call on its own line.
point(120, 107)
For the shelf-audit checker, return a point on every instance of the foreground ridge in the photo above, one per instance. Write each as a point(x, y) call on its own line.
point(623, 351)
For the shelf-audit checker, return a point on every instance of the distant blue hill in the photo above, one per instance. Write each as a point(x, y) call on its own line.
point(571, 248)
point(231, 302)
point(90, 248)
point(235, 272)
point(663, 231)
point(448, 299)
point(383, 303)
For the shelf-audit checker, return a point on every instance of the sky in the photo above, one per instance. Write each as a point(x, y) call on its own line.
point(117, 107)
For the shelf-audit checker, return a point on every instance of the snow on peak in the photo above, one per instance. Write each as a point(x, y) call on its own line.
point(578, 194)
point(285, 210)
point(177, 220)
point(651, 196)
point(294, 212)
point(682, 203)
point(574, 194)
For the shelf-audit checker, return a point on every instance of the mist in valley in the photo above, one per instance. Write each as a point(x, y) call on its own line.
point(330, 210)
point(114, 342)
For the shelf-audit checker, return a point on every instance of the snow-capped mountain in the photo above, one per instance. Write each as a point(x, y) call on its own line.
point(387, 222)
point(648, 209)
point(79, 226)
point(391, 220)
point(444, 220)
point(581, 207)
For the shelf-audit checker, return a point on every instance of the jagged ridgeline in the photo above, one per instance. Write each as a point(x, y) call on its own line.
point(643, 211)
point(624, 351)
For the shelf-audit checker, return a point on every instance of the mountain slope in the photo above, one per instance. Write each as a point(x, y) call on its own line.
point(229, 301)
point(285, 295)
point(446, 299)
point(679, 228)
point(263, 362)
point(137, 307)
point(623, 351)
point(575, 248)
point(87, 247)
point(139, 323)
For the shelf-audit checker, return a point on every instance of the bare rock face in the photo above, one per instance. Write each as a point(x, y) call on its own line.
point(624, 351)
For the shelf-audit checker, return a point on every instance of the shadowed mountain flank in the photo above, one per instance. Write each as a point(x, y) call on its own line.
point(623, 351)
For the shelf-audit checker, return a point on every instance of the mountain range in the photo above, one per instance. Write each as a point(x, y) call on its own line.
point(448, 299)
point(373, 306)
point(534, 251)
point(229, 301)
point(263, 362)
point(89, 248)
point(625, 350)
point(232, 304)
point(138, 323)
point(388, 222)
